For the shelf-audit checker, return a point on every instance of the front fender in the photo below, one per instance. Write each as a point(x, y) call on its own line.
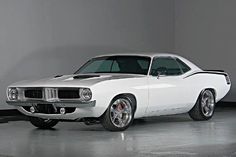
point(104, 92)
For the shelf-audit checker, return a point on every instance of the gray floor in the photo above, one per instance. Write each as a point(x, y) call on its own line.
point(162, 136)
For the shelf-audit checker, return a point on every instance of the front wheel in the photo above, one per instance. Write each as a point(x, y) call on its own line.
point(204, 107)
point(119, 115)
point(43, 123)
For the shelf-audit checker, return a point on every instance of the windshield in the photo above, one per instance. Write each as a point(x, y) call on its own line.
point(116, 64)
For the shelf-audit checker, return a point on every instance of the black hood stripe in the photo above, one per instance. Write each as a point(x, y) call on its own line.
point(85, 76)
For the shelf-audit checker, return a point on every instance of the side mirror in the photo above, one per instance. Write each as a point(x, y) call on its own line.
point(158, 74)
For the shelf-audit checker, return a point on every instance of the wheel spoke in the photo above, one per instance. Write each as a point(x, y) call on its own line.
point(114, 117)
point(204, 101)
point(206, 109)
point(114, 111)
point(121, 123)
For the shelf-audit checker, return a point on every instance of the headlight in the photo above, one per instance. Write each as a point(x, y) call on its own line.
point(85, 94)
point(12, 94)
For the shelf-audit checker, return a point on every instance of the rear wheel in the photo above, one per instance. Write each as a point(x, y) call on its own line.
point(204, 107)
point(119, 115)
point(43, 123)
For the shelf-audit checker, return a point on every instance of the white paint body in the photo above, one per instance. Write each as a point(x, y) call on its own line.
point(154, 96)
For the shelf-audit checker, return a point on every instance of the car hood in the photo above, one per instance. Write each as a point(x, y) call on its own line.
point(73, 80)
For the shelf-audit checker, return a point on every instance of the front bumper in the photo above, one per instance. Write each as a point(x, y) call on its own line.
point(83, 109)
point(76, 104)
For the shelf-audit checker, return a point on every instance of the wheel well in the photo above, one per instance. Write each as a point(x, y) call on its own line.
point(131, 97)
point(212, 90)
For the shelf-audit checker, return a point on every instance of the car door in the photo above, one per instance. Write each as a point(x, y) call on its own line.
point(166, 85)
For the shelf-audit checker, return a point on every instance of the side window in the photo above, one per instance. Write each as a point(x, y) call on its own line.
point(183, 66)
point(165, 66)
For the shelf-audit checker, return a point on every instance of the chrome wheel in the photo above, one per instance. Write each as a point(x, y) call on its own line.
point(121, 113)
point(207, 103)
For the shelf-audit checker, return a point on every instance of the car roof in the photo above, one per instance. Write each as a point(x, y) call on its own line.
point(146, 54)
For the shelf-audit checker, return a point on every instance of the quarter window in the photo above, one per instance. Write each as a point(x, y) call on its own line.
point(183, 66)
point(165, 66)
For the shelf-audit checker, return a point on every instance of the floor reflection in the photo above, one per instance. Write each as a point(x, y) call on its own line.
point(157, 136)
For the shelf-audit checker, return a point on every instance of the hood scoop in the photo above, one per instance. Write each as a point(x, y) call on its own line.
point(85, 76)
point(58, 76)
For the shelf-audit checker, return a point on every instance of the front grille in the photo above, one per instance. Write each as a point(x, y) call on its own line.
point(34, 93)
point(52, 93)
point(68, 94)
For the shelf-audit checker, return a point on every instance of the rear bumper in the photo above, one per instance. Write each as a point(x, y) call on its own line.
point(75, 104)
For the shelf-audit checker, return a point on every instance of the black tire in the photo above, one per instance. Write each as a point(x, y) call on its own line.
point(197, 112)
point(43, 123)
point(106, 120)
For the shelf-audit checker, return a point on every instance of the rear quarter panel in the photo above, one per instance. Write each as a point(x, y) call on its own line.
point(201, 81)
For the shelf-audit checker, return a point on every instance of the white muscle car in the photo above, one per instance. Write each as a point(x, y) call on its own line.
point(115, 89)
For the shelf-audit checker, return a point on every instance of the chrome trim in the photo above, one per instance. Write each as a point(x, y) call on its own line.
point(51, 94)
point(77, 104)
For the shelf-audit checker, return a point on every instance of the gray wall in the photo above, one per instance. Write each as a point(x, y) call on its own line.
point(41, 38)
point(205, 32)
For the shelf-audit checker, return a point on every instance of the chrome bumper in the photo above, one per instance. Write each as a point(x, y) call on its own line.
point(76, 104)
